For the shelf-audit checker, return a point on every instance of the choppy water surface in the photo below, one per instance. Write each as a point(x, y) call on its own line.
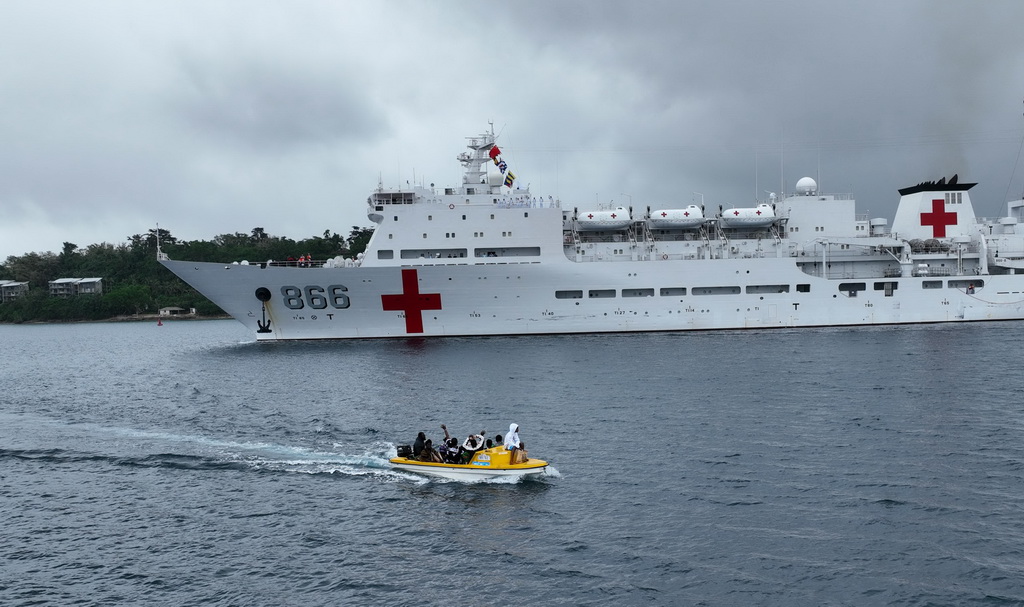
point(188, 465)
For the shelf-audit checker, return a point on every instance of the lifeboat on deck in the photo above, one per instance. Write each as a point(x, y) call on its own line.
point(750, 217)
point(688, 218)
point(594, 221)
point(485, 464)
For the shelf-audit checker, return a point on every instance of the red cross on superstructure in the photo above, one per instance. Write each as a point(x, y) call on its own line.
point(412, 302)
point(939, 218)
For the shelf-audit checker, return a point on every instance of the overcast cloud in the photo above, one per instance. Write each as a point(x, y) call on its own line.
point(218, 117)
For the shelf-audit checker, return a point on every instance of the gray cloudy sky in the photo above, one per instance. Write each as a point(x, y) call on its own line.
point(217, 117)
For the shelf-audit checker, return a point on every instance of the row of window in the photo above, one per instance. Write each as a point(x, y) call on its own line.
point(858, 228)
point(794, 228)
point(476, 234)
point(677, 291)
point(431, 217)
point(848, 288)
point(456, 253)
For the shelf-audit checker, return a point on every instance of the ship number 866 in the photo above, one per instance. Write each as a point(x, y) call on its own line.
point(316, 297)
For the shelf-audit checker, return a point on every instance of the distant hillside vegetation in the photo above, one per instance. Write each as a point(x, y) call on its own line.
point(135, 283)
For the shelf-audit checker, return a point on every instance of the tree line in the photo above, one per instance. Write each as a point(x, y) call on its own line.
point(135, 283)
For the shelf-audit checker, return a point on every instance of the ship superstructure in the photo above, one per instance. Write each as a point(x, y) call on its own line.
point(487, 257)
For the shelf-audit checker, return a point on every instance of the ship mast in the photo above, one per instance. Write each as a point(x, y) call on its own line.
point(474, 163)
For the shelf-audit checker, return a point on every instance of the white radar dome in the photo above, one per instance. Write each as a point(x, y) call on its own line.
point(806, 187)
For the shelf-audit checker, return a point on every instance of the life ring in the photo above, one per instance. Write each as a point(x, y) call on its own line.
point(451, 206)
point(664, 255)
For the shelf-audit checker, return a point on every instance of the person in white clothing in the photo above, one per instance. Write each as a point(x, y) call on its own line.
point(512, 442)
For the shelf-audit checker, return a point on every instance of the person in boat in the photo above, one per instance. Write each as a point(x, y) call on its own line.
point(418, 444)
point(474, 443)
point(449, 451)
point(450, 446)
point(429, 454)
point(512, 442)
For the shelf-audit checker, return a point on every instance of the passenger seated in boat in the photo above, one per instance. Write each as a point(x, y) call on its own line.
point(418, 444)
point(474, 443)
point(449, 451)
point(428, 454)
point(513, 444)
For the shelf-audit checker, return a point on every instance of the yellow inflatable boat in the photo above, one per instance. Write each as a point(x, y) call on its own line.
point(485, 464)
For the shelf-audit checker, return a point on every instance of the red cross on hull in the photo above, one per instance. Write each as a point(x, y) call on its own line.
point(411, 301)
point(939, 218)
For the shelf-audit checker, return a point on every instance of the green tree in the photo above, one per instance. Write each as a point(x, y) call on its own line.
point(130, 299)
point(135, 282)
point(358, 238)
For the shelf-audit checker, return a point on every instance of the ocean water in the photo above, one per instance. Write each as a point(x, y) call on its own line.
point(188, 465)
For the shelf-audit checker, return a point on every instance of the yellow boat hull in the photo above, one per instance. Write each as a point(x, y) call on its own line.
point(486, 464)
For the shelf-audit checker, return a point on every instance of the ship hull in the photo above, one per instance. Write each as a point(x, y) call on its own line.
point(568, 297)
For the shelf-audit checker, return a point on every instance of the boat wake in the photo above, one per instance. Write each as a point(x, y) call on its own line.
point(266, 457)
point(134, 448)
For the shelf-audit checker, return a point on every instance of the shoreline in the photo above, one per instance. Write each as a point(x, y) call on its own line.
point(132, 318)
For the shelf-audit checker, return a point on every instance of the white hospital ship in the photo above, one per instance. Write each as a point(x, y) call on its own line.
point(488, 258)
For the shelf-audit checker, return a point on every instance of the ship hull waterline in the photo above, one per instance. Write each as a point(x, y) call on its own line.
point(519, 299)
